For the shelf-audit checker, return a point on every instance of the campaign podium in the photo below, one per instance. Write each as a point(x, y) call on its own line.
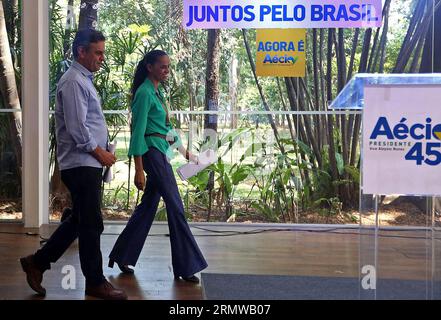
point(400, 259)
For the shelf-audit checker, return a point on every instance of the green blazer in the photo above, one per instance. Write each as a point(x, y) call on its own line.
point(149, 116)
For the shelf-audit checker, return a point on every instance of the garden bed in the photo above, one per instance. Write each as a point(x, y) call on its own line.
point(398, 214)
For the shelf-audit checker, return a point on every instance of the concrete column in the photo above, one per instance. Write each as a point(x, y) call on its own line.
point(35, 104)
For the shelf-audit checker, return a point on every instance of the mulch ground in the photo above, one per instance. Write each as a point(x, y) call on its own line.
point(397, 214)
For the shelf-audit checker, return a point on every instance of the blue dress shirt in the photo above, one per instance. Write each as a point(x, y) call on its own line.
point(79, 119)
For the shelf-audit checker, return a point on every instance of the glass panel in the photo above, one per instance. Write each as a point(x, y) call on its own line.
point(59, 197)
point(251, 180)
point(10, 182)
point(254, 180)
point(436, 248)
point(399, 249)
point(119, 196)
point(435, 202)
point(352, 95)
point(329, 190)
point(11, 123)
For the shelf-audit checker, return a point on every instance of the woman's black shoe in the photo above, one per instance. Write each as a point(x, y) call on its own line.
point(123, 267)
point(192, 278)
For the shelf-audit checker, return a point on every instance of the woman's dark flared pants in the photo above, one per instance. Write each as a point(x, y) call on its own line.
point(187, 258)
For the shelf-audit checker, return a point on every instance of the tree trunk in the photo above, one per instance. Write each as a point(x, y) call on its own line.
point(324, 138)
point(357, 122)
point(301, 135)
point(233, 81)
point(212, 77)
point(285, 108)
point(212, 95)
point(330, 123)
point(378, 48)
point(315, 68)
point(373, 50)
point(353, 51)
point(88, 14)
point(11, 17)
point(421, 30)
point(8, 88)
point(302, 92)
point(341, 81)
point(384, 38)
point(431, 59)
point(70, 24)
point(415, 20)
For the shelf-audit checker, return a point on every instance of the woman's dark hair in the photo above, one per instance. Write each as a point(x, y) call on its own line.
point(141, 72)
point(84, 37)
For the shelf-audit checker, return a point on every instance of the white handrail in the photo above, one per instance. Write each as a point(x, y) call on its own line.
point(225, 112)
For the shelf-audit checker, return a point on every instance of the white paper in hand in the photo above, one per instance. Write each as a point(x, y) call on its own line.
point(190, 169)
point(108, 172)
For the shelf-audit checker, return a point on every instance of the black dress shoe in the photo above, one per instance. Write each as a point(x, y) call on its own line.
point(34, 276)
point(192, 278)
point(106, 291)
point(123, 267)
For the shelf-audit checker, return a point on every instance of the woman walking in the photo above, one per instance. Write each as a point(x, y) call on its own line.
point(151, 128)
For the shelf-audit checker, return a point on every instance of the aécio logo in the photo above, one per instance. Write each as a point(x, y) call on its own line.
point(281, 59)
point(425, 150)
point(281, 46)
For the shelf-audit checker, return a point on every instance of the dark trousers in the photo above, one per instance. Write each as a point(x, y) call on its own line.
point(85, 222)
point(187, 258)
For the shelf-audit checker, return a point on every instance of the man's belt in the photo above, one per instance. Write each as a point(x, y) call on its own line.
point(163, 136)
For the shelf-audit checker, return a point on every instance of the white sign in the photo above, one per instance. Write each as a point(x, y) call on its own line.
point(402, 140)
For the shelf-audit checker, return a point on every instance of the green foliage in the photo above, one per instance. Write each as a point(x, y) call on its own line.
point(277, 186)
point(228, 177)
point(333, 206)
point(10, 184)
point(116, 197)
point(161, 214)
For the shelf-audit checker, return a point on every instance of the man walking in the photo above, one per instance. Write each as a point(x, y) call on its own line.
point(81, 133)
